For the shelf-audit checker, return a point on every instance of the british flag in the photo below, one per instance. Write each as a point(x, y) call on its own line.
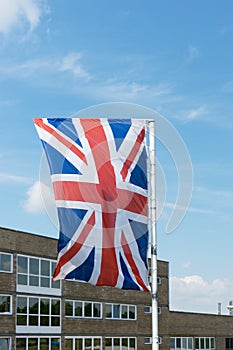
point(99, 175)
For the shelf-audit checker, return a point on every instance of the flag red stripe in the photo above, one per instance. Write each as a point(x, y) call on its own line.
point(76, 246)
point(133, 154)
point(109, 268)
point(70, 146)
point(87, 192)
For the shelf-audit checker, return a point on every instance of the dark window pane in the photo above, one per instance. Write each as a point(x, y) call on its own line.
point(22, 279)
point(78, 309)
point(33, 281)
point(45, 268)
point(33, 305)
point(34, 266)
point(44, 306)
point(32, 343)
point(44, 343)
point(96, 309)
point(44, 320)
point(96, 343)
point(4, 303)
point(55, 307)
point(116, 311)
point(124, 311)
point(5, 262)
point(21, 320)
point(55, 321)
point(68, 344)
point(44, 282)
point(33, 320)
point(108, 342)
point(22, 264)
point(87, 344)
point(116, 342)
point(87, 309)
point(124, 342)
point(132, 344)
point(108, 311)
point(20, 343)
point(55, 343)
point(21, 305)
point(69, 308)
point(56, 284)
point(78, 344)
point(132, 312)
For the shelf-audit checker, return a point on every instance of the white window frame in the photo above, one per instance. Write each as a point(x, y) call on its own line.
point(11, 262)
point(182, 339)
point(40, 337)
point(8, 312)
point(204, 339)
point(41, 328)
point(120, 312)
point(25, 288)
point(9, 339)
point(84, 338)
point(120, 340)
point(83, 308)
point(148, 340)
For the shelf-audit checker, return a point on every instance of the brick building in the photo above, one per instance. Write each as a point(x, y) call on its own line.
point(39, 314)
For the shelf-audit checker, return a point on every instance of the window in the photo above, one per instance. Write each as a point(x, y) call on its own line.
point(84, 309)
point(5, 343)
point(121, 311)
point(120, 343)
point(148, 340)
point(6, 262)
point(147, 309)
point(181, 343)
point(39, 312)
point(36, 273)
point(229, 343)
point(5, 304)
point(204, 343)
point(38, 343)
point(83, 343)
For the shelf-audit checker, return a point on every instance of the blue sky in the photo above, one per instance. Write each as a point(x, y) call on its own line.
point(174, 57)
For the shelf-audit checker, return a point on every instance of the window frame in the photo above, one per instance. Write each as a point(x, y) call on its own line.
point(38, 314)
point(10, 311)
point(30, 275)
point(9, 341)
point(83, 304)
point(92, 338)
point(11, 262)
point(181, 341)
point(204, 339)
point(120, 341)
point(113, 311)
point(50, 337)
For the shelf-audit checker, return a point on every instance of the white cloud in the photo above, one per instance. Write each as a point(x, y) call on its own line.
point(38, 194)
point(14, 13)
point(188, 209)
point(71, 62)
point(194, 293)
point(47, 65)
point(193, 53)
point(4, 177)
point(189, 115)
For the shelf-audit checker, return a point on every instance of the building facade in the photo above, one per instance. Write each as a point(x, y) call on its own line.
point(39, 314)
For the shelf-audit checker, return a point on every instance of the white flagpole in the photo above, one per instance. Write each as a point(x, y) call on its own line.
point(152, 208)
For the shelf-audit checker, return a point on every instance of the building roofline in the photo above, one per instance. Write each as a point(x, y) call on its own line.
point(27, 233)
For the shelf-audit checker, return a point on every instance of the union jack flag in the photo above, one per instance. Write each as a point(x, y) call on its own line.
point(99, 176)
